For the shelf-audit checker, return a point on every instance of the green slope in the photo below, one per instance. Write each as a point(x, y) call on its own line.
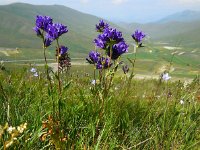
point(17, 21)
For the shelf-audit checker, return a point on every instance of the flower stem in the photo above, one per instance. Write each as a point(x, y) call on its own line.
point(46, 64)
point(59, 81)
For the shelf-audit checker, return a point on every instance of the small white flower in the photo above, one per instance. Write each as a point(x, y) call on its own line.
point(93, 82)
point(33, 70)
point(10, 129)
point(116, 88)
point(181, 102)
point(166, 77)
point(35, 74)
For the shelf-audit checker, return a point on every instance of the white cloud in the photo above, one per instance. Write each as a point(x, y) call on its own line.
point(84, 1)
point(118, 1)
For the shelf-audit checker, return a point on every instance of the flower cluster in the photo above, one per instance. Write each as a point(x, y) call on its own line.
point(99, 61)
point(101, 26)
point(63, 57)
point(34, 71)
point(14, 134)
point(110, 40)
point(138, 36)
point(56, 30)
point(53, 30)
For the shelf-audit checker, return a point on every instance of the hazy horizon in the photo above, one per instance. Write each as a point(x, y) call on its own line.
point(122, 10)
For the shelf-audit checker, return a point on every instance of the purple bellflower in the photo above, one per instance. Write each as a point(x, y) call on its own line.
point(118, 50)
point(101, 26)
point(93, 57)
point(103, 63)
point(38, 32)
point(63, 50)
point(43, 21)
point(56, 30)
point(138, 36)
point(47, 42)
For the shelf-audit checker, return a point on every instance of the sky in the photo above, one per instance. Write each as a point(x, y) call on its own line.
point(141, 11)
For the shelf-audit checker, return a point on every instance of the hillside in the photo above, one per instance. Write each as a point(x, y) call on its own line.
point(184, 16)
point(180, 28)
point(17, 21)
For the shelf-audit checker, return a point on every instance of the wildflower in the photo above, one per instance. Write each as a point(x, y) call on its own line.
point(101, 26)
point(42, 22)
point(181, 102)
point(10, 129)
point(93, 82)
point(47, 42)
point(33, 70)
point(63, 50)
point(63, 59)
point(103, 63)
point(138, 36)
point(35, 74)
point(56, 30)
point(38, 32)
point(109, 37)
point(113, 35)
point(166, 77)
point(125, 69)
point(112, 41)
point(93, 57)
point(118, 50)
point(101, 41)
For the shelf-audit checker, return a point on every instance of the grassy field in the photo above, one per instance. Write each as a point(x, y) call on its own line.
point(150, 60)
point(119, 111)
point(159, 115)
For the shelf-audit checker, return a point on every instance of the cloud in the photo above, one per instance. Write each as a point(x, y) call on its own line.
point(84, 1)
point(117, 2)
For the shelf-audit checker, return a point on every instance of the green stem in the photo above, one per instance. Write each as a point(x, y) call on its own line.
point(58, 73)
point(59, 81)
point(7, 101)
point(46, 64)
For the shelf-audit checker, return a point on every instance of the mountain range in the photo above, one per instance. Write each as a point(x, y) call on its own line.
point(18, 19)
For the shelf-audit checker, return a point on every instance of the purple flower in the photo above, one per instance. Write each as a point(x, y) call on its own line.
point(47, 42)
point(101, 41)
point(118, 50)
point(63, 50)
point(101, 26)
point(38, 32)
point(125, 69)
point(43, 21)
point(114, 35)
point(138, 36)
point(109, 37)
point(93, 57)
point(56, 30)
point(103, 63)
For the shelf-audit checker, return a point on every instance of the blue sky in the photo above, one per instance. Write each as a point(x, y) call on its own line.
point(122, 10)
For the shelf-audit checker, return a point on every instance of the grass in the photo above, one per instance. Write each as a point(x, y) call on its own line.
point(145, 114)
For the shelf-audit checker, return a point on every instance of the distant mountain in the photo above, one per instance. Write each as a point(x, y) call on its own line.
point(18, 19)
point(181, 27)
point(184, 16)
